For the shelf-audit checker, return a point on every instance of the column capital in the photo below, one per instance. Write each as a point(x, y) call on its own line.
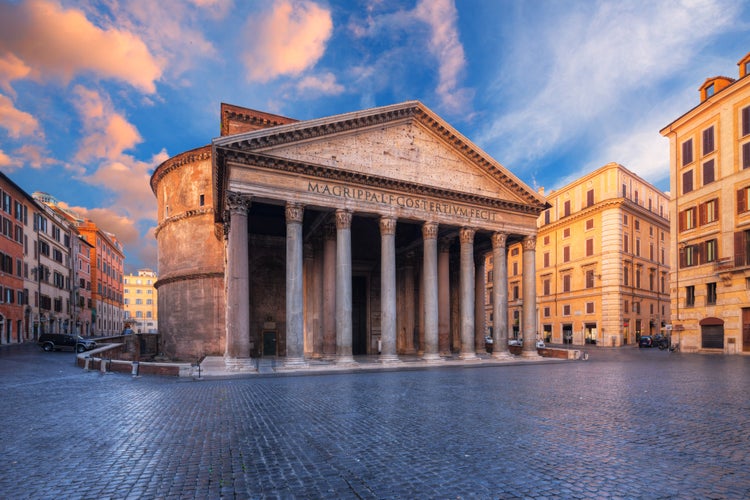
point(237, 202)
point(294, 212)
point(343, 219)
point(466, 234)
point(387, 225)
point(429, 230)
point(529, 243)
point(499, 239)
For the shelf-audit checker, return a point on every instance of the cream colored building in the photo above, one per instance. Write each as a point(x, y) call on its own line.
point(710, 177)
point(140, 299)
point(602, 262)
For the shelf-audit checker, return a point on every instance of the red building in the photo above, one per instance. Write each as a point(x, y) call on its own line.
point(13, 298)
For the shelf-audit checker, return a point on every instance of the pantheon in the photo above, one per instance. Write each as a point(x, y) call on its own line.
point(364, 233)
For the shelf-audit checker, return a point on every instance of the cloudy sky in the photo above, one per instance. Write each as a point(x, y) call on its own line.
point(95, 94)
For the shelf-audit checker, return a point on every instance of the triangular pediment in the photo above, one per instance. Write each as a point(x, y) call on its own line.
point(404, 143)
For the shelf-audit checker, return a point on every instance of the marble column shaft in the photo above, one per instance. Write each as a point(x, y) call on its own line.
point(466, 300)
point(479, 303)
point(238, 281)
point(430, 286)
point(500, 296)
point(529, 297)
point(444, 297)
point(294, 285)
point(409, 305)
point(388, 289)
point(344, 286)
point(328, 318)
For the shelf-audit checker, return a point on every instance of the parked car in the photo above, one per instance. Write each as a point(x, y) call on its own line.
point(519, 342)
point(646, 341)
point(55, 341)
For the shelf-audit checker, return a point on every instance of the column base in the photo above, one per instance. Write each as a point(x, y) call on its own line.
point(240, 364)
point(468, 356)
point(432, 357)
point(504, 355)
point(530, 354)
point(345, 359)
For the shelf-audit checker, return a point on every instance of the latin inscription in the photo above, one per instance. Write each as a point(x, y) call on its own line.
point(403, 201)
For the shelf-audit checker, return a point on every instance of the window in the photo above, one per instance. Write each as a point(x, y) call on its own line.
point(687, 219)
point(566, 254)
point(746, 155)
point(624, 191)
point(590, 224)
point(710, 90)
point(566, 232)
point(546, 286)
point(710, 294)
point(711, 250)
point(590, 278)
point(202, 200)
point(516, 292)
point(689, 296)
point(589, 247)
point(745, 121)
point(708, 172)
point(637, 224)
point(546, 312)
point(743, 195)
point(546, 216)
point(708, 140)
point(625, 243)
point(589, 308)
point(566, 283)
point(566, 208)
point(546, 259)
point(708, 211)
point(638, 247)
point(626, 276)
point(566, 310)
point(687, 152)
point(689, 256)
point(515, 269)
point(546, 240)
point(687, 182)
point(589, 197)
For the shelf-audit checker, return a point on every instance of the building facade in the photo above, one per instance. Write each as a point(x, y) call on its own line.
point(603, 260)
point(14, 228)
point(710, 180)
point(353, 234)
point(140, 301)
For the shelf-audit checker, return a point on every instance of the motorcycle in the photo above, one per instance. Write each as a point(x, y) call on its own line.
point(661, 342)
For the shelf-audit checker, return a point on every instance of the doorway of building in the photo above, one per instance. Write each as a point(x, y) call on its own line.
point(746, 329)
point(269, 343)
point(567, 331)
point(590, 333)
point(359, 315)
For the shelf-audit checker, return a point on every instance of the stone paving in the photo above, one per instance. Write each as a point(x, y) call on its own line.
point(626, 423)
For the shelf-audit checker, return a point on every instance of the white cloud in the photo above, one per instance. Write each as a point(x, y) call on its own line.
point(287, 40)
point(598, 64)
point(58, 43)
point(325, 84)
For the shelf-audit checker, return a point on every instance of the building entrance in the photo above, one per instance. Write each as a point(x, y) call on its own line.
point(359, 315)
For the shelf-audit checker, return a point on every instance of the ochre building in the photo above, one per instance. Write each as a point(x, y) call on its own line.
point(710, 182)
point(361, 233)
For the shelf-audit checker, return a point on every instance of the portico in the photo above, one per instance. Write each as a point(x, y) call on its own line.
point(365, 233)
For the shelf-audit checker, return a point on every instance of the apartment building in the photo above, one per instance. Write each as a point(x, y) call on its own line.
point(140, 300)
point(602, 262)
point(710, 180)
point(14, 319)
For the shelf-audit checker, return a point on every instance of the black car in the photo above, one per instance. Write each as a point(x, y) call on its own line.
point(54, 341)
point(646, 341)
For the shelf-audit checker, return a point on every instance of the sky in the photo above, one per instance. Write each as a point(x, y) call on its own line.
point(94, 95)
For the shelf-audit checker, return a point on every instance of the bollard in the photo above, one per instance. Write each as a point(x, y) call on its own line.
point(86, 363)
point(103, 366)
point(136, 367)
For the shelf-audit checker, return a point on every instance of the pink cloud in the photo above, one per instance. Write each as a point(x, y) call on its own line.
point(60, 43)
point(107, 133)
point(18, 123)
point(323, 84)
point(11, 68)
point(287, 40)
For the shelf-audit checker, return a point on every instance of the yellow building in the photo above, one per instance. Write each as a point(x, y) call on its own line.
point(602, 262)
point(710, 181)
point(140, 301)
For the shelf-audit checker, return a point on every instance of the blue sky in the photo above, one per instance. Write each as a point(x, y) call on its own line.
point(95, 94)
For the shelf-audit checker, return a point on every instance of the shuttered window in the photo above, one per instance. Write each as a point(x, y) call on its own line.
point(708, 212)
point(589, 247)
point(745, 121)
point(566, 254)
point(742, 197)
point(687, 152)
point(708, 140)
point(590, 197)
point(708, 172)
point(687, 182)
point(746, 155)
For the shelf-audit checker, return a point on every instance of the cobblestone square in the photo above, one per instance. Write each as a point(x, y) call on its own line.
point(626, 423)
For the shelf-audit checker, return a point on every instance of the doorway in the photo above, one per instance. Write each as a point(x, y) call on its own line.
point(567, 331)
point(746, 329)
point(359, 315)
point(269, 343)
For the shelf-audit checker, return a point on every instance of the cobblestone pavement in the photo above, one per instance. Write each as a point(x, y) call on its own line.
point(627, 423)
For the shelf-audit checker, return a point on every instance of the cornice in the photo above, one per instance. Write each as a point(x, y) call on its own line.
point(188, 157)
point(369, 180)
point(188, 277)
point(606, 204)
point(185, 215)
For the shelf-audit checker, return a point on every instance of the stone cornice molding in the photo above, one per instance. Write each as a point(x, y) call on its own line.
point(184, 215)
point(188, 157)
point(188, 277)
point(641, 211)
